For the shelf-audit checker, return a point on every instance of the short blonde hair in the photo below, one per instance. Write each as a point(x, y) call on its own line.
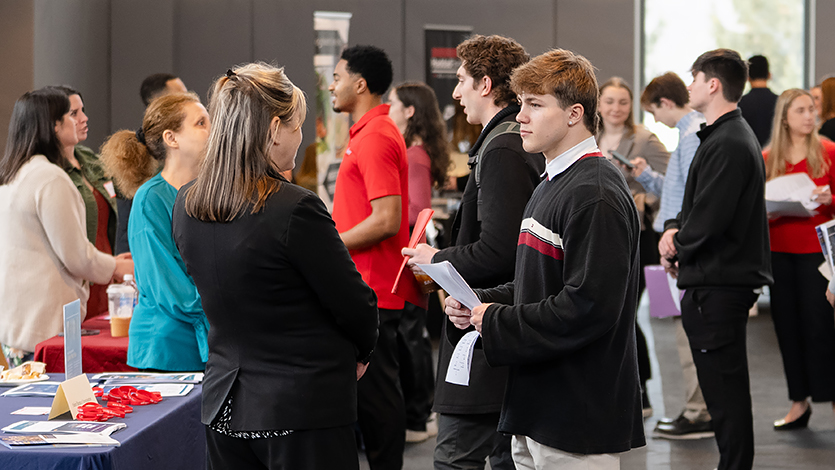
point(564, 74)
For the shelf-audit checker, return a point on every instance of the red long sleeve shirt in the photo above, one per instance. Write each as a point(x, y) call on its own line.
point(797, 234)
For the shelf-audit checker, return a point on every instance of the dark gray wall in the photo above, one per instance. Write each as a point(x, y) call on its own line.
point(72, 47)
point(106, 47)
point(824, 39)
point(17, 29)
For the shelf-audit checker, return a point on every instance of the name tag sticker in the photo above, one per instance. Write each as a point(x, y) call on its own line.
point(111, 191)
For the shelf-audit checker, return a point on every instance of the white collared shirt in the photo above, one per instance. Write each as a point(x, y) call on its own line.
point(567, 158)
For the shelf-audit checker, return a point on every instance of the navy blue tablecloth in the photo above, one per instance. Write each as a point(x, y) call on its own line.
point(167, 435)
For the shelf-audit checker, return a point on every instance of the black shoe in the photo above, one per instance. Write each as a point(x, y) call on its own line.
point(799, 423)
point(682, 429)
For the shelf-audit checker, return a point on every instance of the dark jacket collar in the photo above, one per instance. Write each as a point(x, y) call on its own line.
point(499, 117)
point(707, 130)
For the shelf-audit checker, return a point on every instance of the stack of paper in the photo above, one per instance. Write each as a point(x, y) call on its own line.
point(445, 274)
point(791, 195)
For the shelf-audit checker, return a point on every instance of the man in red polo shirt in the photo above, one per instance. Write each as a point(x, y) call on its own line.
point(371, 211)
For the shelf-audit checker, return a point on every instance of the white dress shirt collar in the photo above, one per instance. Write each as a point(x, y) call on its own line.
point(567, 158)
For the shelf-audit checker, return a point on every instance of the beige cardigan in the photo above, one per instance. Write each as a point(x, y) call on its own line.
point(45, 256)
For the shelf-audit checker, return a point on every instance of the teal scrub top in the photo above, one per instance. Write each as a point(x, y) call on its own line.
point(169, 330)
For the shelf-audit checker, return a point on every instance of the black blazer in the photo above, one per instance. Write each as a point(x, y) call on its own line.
point(289, 314)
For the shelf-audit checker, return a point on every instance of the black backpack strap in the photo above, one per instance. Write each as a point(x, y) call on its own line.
point(507, 127)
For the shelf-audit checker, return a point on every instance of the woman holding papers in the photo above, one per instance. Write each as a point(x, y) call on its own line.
point(46, 260)
point(168, 330)
point(414, 109)
point(802, 317)
point(292, 322)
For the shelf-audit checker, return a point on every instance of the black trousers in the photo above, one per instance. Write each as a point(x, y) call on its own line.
point(417, 377)
point(804, 325)
point(465, 442)
point(715, 321)
point(647, 255)
point(380, 406)
point(315, 449)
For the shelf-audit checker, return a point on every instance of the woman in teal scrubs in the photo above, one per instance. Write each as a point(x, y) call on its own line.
point(169, 330)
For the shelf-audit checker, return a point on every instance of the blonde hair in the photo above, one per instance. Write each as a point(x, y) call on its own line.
point(131, 162)
point(781, 141)
point(238, 170)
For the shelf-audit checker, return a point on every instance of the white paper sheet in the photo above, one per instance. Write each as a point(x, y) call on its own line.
point(788, 209)
point(445, 274)
point(674, 292)
point(825, 270)
point(793, 187)
point(462, 359)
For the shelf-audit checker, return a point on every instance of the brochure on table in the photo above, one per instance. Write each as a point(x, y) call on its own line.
point(64, 440)
point(165, 390)
point(72, 339)
point(48, 427)
point(147, 378)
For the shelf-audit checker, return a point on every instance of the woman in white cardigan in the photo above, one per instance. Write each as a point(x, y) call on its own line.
point(46, 260)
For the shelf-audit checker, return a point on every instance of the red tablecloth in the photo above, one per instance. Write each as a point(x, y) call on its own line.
point(99, 353)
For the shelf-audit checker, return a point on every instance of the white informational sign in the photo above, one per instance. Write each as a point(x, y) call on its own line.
point(72, 339)
point(331, 29)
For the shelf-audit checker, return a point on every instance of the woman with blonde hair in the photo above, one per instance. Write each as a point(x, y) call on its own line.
point(46, 260)
point(168, 330)
point(292, 322)
point(802, 317)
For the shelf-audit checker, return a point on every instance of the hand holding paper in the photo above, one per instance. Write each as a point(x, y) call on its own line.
point(445, 274)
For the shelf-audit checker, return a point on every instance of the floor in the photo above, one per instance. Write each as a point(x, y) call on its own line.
point(812, 448)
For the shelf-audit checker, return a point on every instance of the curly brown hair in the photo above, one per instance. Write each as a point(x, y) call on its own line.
point(495, 57)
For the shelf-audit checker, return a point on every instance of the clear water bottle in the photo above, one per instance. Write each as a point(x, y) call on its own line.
point(127, 280)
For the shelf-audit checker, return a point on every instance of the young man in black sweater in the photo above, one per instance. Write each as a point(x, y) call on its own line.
point(718, 247)
point(566, 324)
point(483, 250)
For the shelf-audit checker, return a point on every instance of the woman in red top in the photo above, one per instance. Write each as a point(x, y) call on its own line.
point(802, 317)
point(414, 109)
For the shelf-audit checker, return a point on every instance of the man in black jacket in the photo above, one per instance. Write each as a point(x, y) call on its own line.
point(483, 250)
point(720, 242)
point(566, 324)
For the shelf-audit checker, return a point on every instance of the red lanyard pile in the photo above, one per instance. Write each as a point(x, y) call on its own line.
point(119, 402)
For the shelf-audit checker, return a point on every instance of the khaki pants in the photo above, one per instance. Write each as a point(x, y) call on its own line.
point(531, 455)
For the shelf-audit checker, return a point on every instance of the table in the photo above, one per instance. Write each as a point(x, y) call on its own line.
point(167, 435)
point(99, 353)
